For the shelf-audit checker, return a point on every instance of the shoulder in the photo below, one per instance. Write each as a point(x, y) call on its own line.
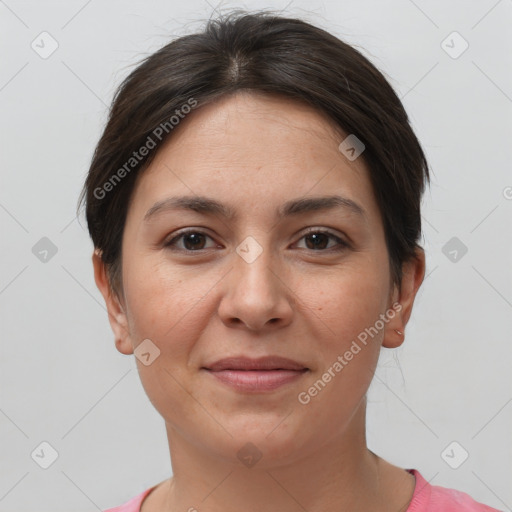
point(132, 505)
point(430, 498)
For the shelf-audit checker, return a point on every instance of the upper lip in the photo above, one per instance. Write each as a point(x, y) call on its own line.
point(261, 363)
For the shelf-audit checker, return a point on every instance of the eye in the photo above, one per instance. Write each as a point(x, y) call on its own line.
point(193, 240)
point(318, 239)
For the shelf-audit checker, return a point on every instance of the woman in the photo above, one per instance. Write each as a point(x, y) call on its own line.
point(254, 203)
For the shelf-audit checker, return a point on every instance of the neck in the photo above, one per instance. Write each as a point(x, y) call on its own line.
point(338, 474)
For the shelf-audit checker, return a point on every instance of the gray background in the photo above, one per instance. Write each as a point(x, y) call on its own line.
point(62, 380)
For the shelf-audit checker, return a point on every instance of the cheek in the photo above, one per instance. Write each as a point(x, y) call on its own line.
point(172, 307)
point(158, 296)
point(166, 308)
point(345, 302)
point(348, 349)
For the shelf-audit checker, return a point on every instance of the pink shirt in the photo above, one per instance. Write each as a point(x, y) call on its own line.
point(426, 498)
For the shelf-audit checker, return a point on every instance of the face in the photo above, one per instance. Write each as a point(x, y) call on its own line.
point(300, 281)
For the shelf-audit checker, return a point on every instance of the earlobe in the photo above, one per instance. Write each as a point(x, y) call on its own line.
point(413, 273)
point(116, 314)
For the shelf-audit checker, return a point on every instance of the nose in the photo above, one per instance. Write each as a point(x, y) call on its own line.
point(256, 294)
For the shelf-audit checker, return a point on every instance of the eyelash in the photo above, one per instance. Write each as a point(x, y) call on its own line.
point(342, 245)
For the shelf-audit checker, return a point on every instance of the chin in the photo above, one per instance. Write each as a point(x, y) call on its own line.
point(263, 442)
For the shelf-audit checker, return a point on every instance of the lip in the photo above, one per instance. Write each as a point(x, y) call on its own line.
point(257, 381)
point(261, 363)
point(256, 375)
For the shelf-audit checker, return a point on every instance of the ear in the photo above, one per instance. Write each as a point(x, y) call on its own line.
point(413, 272)
point(116, 314)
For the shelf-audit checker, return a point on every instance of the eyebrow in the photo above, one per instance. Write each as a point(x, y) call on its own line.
point(206, 205)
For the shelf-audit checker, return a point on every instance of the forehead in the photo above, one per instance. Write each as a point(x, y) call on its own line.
point(249, 120)
point(253, 151)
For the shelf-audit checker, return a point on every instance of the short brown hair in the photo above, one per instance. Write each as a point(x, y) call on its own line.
point(267, 53)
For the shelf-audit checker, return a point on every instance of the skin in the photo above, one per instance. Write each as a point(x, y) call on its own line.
point(255, 152)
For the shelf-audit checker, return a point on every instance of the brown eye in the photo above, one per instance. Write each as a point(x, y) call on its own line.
point(192, 241)
point(319, 240)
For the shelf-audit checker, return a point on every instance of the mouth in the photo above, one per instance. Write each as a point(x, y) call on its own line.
point(256, 375)
point(249, 364)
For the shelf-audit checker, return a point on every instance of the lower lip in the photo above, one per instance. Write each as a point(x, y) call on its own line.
point(257, 380)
